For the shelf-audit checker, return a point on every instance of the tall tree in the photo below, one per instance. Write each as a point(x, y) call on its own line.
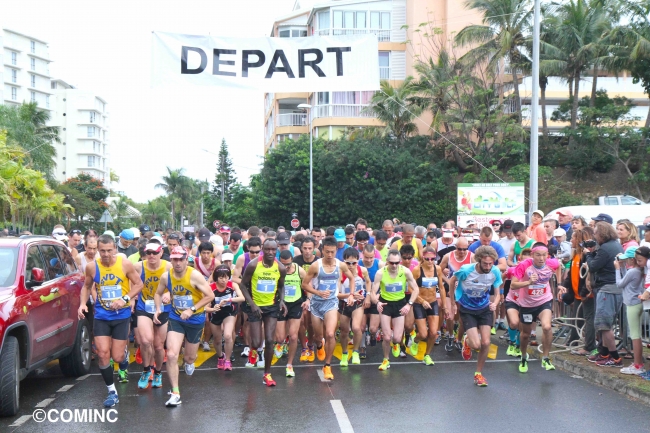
point(176, 185)
point(395, 107)
point(225, 178)
point(501, 36)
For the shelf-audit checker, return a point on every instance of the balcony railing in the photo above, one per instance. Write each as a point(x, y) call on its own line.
point(292, 119)
point(341, 110)
point(383, 35)
point(384, 72)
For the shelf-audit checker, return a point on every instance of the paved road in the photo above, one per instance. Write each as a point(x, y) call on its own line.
point(410, 396)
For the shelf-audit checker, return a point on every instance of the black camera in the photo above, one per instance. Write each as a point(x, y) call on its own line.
point(588, 244)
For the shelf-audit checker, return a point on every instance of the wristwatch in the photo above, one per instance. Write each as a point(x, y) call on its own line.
point(410, 302)
point(126, 298)
point(193, 308)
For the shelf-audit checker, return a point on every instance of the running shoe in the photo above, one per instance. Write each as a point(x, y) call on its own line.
point(277, 351)
point(467, 351)
point(312, 355)
point(362, 353)
point(138, 356)
point(246, 352)
point(206, 346)
point(479, 380)
point(252, 359)
point(157, 380)
point(427, 360)
point(143, 383)
point(111, 400)
point(459, 345)
point(517, 351)
point(610, 362)
point(327, 373)
point(289, 371)
point(355, 358)
point(268, 380)
point(414, 348)
point(385, 365)
point(220, 363)
point(523, 365)
point(123, 376)
point(449, 345)
point(304, 354)
point(285, 349)
point(402, 354)
point(189, 369)
point(260, 359)
point(174, 400)
point(320, 352)
point(344, 360)
point(227, 365)
point(396, 350)
point(493, 331)
point(438, 339)
point(232, 357)
point(511, 350)
point(631, 369)
point(502, 326)
point(546, 363)
point(596, 358)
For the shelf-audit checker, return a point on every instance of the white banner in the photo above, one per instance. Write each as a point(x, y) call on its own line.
point(309, 64)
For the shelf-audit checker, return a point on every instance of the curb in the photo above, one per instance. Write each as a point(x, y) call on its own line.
point(607, 377)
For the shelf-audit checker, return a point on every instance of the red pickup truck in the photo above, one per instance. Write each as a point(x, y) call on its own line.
point(39, 299)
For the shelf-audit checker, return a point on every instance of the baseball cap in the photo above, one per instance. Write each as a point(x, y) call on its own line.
point(217, 240)
point(629, 253)
point(59, 234)
point(447, 233)
point(127, 235)
point(495, 221)
point(224, 229)
point(204, 235)
point(178, 253)
point(470, 222)
point(339, 235)
point(109, 233)
point(284, 238)
point(559, 232)
point(507, 226)
point(144, 228)
point(644, 252)
point(565, 212)
point(227, 256)
point(603, 217)
point(153, 247)
point(539, 212)
point(136, 233)
point(157, 238)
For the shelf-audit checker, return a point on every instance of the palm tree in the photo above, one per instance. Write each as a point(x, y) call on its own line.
point(175, 185)
point(394, 106)
point(501, 36)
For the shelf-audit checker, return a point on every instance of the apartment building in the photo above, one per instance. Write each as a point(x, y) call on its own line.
point(333, 112)
point(83, 119)
point(25, 71)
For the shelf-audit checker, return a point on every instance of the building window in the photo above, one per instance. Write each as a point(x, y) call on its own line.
point(32, 80)
point(285, 33)
point(384, 65)
point(33, 64)
point(14, 76)
point(293, 33)
point(323, 98)
point(14, 58)
point(323, 20)
point(91, 161)
point(104, 153)
point(91, 131)
point(33, 96)
point(14, 93)
point(47, 101)
point(32, 46)
point(92, 117)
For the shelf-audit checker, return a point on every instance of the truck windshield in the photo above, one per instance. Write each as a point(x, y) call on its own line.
point(8, 262)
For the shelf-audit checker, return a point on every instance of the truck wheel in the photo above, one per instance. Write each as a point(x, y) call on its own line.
point(77, 362)
point(9, 377)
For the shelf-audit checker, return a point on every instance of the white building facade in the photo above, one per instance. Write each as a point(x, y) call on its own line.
point(83, 121)
point(26, 71)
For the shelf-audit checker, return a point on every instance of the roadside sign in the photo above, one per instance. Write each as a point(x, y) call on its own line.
point(216, 224)
point(295, 223)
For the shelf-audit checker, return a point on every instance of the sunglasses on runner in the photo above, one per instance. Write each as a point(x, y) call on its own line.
point(462, 249)
point(407, 257)
point(351, 263)
point(429, 259)
point(394, 263)
point(150, 253)
point(254, 252)
point(75, 232)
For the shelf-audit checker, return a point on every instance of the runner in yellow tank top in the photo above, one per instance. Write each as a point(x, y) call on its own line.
point(190, 294)
point(408, 237)
point(151, 338)
point(263, 288)
point(117, 284)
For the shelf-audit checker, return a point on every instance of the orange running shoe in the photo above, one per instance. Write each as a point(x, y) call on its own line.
point(327, 372)
point(321, 351)
point(268, 380)
point(467, 351)
point(479, 380)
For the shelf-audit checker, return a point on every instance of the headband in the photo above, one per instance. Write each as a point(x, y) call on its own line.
point(539, 248)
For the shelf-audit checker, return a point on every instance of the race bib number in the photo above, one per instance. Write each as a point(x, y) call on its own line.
point(527, 318)
point(289, 291)
point(324, 285)
point(218, 299)
point(394, 288)
point(536, 290)
point(183, 302)
point(475, 293)
point(111, 293)
point(361, 288)
point(429, 282)
point(265, 286)
point(515, 295)
point(150, 306)
point(345, 288)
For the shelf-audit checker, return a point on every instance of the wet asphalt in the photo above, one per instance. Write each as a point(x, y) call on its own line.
point(408, 397)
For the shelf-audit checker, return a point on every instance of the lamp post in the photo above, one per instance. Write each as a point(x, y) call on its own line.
point(308, 108)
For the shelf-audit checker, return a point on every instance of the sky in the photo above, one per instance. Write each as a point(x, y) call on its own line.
point(105, 47)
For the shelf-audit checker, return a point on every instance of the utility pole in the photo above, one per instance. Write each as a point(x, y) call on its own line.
point(534, 121)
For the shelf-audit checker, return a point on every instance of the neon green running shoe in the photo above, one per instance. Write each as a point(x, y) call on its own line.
point(344, 360)
point(123, 376)
point(395, 350)
point(516, 351)
point(355, 358)
point(414, 348)
point(546, 363)
point(493, 331)
point(523, 366)
point(427, 360)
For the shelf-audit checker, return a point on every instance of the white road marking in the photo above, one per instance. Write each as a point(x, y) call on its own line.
point(65, 388)
point(83, 377)
point(322, 377)
point(20, 421)
point(45, 402)
point(341, 416)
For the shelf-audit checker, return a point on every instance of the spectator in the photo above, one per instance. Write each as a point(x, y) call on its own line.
point(125, 243)
point(578, 293)
point(564, 247)
point(608, 295)
point(627, 233)
point(565, 217)
point(536, 230)
point(646, 236)
point(90, 233)
point(633, 261)
point(59, 233)
point(550, 225)
point(578, 223)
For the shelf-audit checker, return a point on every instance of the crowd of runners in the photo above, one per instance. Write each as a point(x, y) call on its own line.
point(287, 295)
